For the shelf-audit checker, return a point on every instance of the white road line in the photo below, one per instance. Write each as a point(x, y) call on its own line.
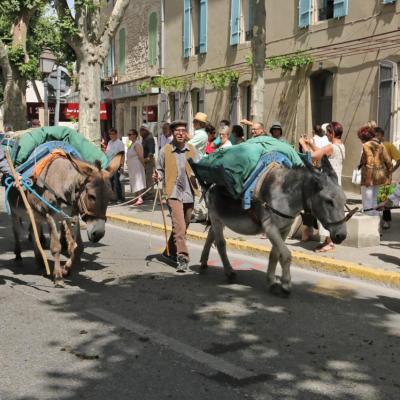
point(209, 360)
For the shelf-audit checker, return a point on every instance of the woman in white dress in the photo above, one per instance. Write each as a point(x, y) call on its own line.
point(135, 163)
point(335, 151)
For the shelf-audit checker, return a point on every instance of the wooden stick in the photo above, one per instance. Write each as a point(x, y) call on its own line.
point(29, 211)
point(164, 221)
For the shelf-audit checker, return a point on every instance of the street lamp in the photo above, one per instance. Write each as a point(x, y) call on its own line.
point(46, 61)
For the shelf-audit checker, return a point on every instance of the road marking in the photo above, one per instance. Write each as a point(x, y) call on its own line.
point(200, 356)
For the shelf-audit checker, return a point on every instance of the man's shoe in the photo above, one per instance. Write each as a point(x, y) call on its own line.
point(385, 224)
point(183, 264)
point(169, 259)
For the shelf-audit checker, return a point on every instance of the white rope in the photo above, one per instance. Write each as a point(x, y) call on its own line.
point(149, 243)
point(134, 199)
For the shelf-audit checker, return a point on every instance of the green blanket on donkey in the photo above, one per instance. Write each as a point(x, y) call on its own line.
point(30, 140)
point(240, 160)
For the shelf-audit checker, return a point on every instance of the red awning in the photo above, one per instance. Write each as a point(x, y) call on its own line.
point(72, 111)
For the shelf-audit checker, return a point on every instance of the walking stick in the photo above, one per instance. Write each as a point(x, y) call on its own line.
point(29, 211)
point(158, 194)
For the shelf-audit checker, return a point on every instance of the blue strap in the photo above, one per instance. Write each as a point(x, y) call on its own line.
point(27, 184)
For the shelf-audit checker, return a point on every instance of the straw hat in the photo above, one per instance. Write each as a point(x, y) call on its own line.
point(201, 117)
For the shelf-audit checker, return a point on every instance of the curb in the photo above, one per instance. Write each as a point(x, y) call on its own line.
point(304, 260)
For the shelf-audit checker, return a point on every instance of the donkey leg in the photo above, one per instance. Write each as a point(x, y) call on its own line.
point(218, 229)
point(78, 240)
point(71, 247)
point(206, 249)
point(280, 250)
point(16, 231)
point(55, 248)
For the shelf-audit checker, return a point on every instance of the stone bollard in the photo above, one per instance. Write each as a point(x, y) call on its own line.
point(363, 231)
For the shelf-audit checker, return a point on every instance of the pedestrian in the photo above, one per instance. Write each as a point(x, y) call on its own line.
point(276, 131)
point(166, 135)
point(394, 155)
point(257, 129)
point(376, 168)
point(320, 137)
point(4, 167)
point(238, 134)
point(135, 164)
point(336, 153)
point(224, 137)
point(211, 132)
point(200, 137)
point(35, 123)
point(199, 142)
point(149, 150)
point(114, 147)
point(223, 123)
point(180, 188)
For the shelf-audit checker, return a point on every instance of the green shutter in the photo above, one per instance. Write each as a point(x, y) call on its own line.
point(203, 26)
point(388, 1)
point(121, 64)
point(187, 45)
point(153, 24)
point(235, 22)
point(305, 10)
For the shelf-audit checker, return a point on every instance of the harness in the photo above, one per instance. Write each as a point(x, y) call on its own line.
point(79, 201)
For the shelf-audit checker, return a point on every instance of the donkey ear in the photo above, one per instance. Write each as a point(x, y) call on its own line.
point(84, 168)
point(114, 164)
point(326, 167)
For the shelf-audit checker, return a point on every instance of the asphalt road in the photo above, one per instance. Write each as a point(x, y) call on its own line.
point(124, 328)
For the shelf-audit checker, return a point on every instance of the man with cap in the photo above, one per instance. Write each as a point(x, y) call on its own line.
point(276, 131)
point(149, 149)
point(200, 137)
point(180, 187)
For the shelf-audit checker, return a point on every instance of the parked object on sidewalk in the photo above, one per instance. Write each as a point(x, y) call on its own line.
point(283, 194)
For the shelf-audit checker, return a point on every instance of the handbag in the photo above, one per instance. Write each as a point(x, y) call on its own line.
point(356, 178)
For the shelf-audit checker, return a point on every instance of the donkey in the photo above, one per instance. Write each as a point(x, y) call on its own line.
point(76, 188)
point(283, 193)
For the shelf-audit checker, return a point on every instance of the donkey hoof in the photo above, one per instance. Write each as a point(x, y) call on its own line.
point(231, 276)
point(18, 258)
point(286, 289)
point(59, 283)
point(203, 267)
point(275, 289)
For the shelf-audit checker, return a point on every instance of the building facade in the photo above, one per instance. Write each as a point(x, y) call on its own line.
point(134, 56)
point(353, 47)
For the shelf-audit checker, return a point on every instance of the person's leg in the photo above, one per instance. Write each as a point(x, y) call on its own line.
point(118, 186)
point(327, 244)
point(386, 218)
point(369, 199)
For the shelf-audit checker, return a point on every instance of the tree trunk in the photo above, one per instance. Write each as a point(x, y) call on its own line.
point(89, 100)
point(258, 55)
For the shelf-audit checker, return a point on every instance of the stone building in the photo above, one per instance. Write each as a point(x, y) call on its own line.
point(134, 56)
point(354, 49)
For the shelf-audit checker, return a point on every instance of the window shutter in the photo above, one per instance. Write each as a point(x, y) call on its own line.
point(110, 71)
point(203, 26)
point(387, 72)
point(304, 13)
point(187, 45)
point(121, 65)
point(153, 22)
point(235, 22)
point(233, 109)
point(186, 102)
point(340, 8)
point(250, 10)
point(202, 96)
point(388, 1)
point(177, 106)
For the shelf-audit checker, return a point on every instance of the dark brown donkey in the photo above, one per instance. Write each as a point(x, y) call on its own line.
point(76, 188)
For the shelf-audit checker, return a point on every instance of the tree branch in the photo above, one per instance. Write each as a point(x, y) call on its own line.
point(112, 25)
point(64, 12)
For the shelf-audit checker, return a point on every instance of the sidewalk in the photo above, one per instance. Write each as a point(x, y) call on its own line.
point(379, 264)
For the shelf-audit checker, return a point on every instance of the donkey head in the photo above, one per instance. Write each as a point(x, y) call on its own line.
point(95, 193)
point(326, 199)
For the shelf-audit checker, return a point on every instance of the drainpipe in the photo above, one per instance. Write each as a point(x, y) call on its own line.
point(162, 98)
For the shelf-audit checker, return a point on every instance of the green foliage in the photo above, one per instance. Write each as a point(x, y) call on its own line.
point(248, 59)
point(289, 62)
point(217, 80)
point(385, 192)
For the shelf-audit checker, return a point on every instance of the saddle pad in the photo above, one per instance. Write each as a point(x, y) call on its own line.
point(44, 162)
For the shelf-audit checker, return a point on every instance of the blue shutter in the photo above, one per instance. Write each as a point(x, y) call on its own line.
point(304, 13)
point(388, 1)
point(235, 22)
point(110, 71)
point(203, 26)
point(187, 42)
point(340, 8)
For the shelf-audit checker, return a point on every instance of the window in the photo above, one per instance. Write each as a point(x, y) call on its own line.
point(321, 97)
point(320, 10)
point(248, 19)
point(386, 83)
point(233, 105)
point(245, 105)
point(187, 27)
point(121, 47)
point(235, 22)
point(153, 25)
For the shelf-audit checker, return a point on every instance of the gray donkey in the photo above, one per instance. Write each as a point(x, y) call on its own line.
point(282, 194)
point(77, 188)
